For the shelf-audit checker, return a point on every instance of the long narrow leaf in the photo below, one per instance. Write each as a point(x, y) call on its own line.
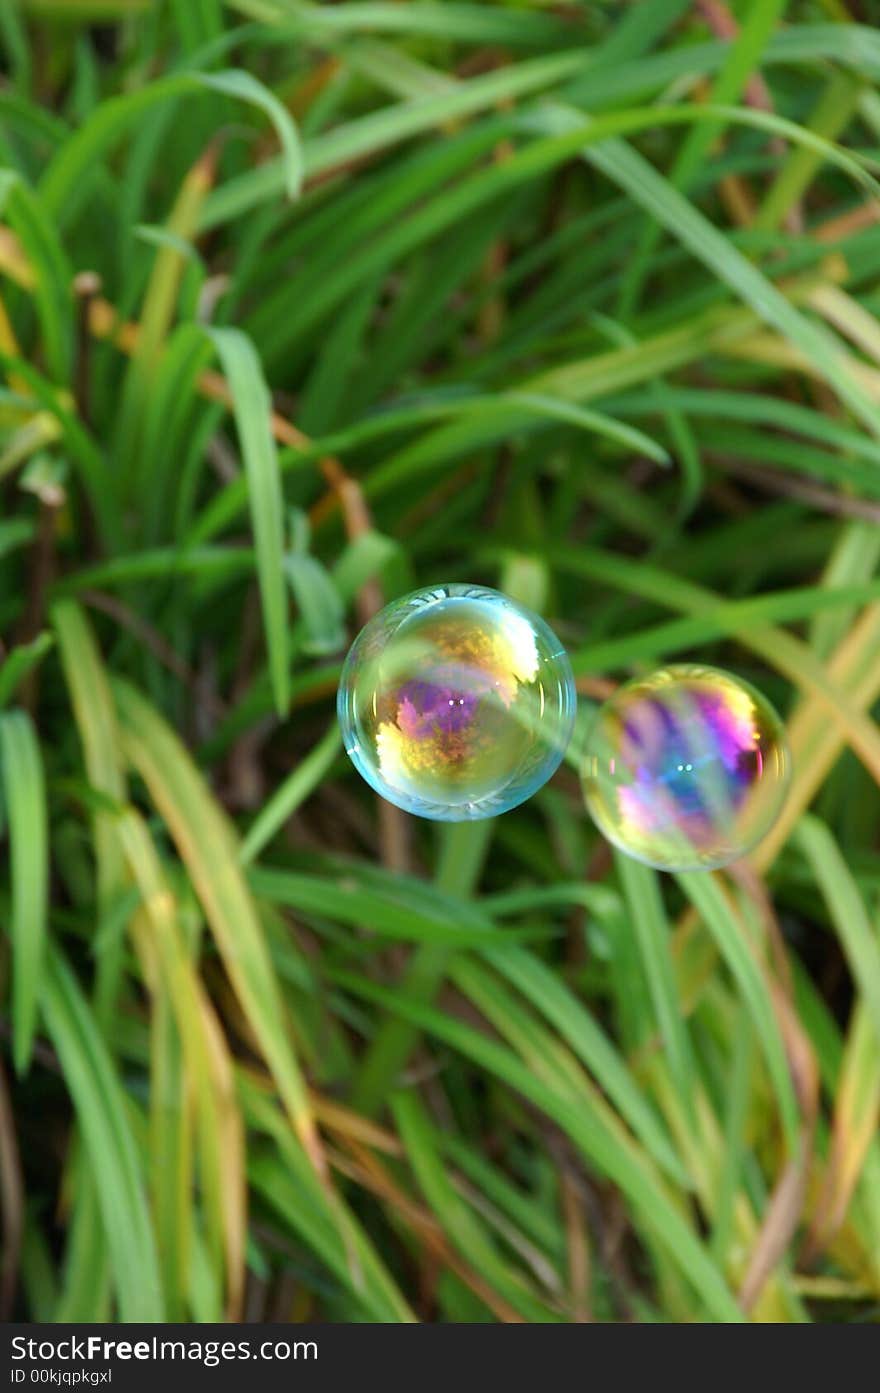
point(25, 798)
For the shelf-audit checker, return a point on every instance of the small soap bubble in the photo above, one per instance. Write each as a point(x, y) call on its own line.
point(686, 769)
point(456, 703)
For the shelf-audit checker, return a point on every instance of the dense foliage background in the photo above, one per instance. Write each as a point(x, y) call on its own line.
point(301, 306)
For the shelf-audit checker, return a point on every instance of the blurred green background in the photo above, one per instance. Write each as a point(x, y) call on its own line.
point(305, 305)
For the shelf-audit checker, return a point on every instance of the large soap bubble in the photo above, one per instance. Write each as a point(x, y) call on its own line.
point(456, 703)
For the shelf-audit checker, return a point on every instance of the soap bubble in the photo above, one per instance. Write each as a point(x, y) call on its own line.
point(456, 703)
point(686, 769)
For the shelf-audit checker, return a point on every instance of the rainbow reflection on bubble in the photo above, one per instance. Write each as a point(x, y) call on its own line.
point(456, 703)
point(686, 769)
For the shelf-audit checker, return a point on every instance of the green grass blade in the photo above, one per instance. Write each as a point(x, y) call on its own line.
point(102, 1111)
point(466, 23)
point(66, 180)
point(833, 113)
point(170, 1158)
point(858, 937)
point(22, 661)
point(652, 933)
point(24, 795)
point(245, 87)
point(53, 275)
point(291, 794)
point(95, 718)
point(252, 407)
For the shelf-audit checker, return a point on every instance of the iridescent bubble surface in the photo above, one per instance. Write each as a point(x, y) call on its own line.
point(456, 703)
point(686, 769)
